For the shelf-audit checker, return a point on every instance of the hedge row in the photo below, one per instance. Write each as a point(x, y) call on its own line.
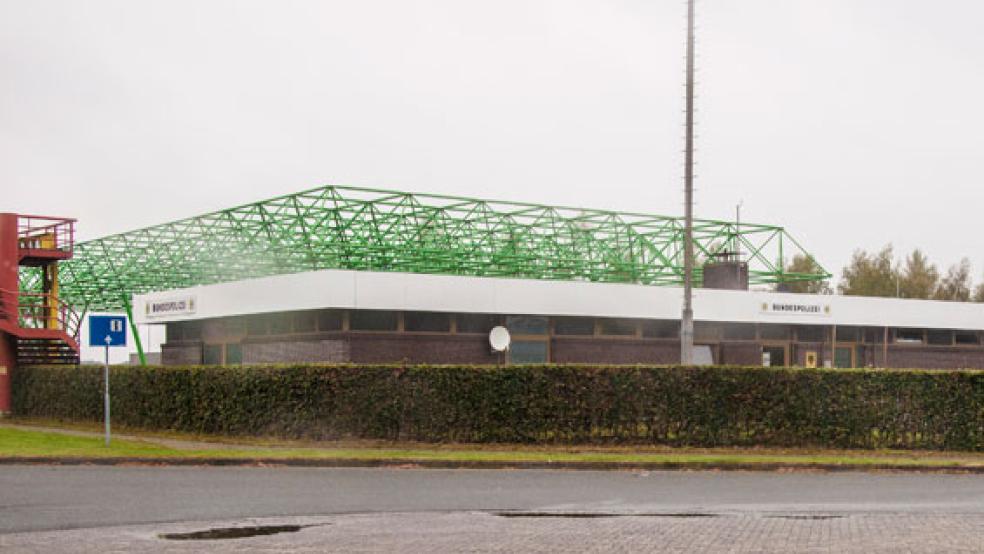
point(707, 406)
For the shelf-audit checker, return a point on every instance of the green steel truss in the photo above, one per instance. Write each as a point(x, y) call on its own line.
point(376, 230)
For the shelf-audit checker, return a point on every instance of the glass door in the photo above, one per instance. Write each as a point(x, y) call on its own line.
point(844, 356)
point(774, 355)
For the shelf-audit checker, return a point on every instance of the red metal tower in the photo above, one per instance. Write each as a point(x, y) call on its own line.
point(35, 327)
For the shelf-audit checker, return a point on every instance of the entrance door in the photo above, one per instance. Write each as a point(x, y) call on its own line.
point(774, 356)
point(844, 356)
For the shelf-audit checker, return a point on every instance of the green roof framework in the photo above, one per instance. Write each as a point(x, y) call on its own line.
point(335, 227)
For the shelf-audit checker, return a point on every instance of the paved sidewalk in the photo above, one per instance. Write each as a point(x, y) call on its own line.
point(428, 532)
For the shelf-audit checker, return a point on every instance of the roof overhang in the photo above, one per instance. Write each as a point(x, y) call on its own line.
point(444, 293)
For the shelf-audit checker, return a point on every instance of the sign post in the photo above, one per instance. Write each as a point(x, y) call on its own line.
point(107, 331)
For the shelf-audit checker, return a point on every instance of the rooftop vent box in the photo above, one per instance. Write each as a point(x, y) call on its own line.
point(726, 272)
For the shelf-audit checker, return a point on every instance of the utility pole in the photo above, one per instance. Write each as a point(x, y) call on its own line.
point(687, 319)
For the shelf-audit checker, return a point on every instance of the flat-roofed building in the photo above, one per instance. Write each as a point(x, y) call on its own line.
point(370, 317)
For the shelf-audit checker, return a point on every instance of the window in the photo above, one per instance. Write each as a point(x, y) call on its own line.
point(911, 336)
point(660, 329)
point(174, 332)
point(771, 331)
point(477, 323)
point(330, 320)
point(874, 335)
point(939, 337)
point(191, 330)
point(373, 320)
point(305, 322)
point(528, 352)
point(847, 334)
point(256, 325)
point(843, 357)
point(967, 337)
point(617, 327)
point(580, 326)
point(429, 322)
point(526, 325)
point(707, 331)
point(812, 333)
point(233, 354)
point(234, 325)
point(739, 331)
point(212, 354)
point(280, 324)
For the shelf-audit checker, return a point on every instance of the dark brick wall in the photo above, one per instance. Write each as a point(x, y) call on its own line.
point(420, 349)
point(934, 357)
point(366, 347)
point(740, 353)
point(613, 351)
point(181, 354)
point(317, 350)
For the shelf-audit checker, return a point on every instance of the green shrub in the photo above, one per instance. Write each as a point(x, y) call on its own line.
point(707, 406)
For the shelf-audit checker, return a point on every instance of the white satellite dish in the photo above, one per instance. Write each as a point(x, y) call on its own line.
point(499, 339)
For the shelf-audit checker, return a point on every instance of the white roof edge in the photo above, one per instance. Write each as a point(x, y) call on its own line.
point(448, 293)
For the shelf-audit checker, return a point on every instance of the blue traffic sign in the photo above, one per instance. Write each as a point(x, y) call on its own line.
point(107, 330)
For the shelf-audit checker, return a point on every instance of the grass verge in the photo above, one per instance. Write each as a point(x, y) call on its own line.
point(18, 443)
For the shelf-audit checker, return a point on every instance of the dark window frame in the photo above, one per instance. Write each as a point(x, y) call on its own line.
point(616, 323)
point(305, 322)
point(957, 334)
point(326, 321)
point(524, 330)
point(902, 340)
point(574, 326)
point(469, 319)
point(355, 322)
point(413, 319)
point(655, 325)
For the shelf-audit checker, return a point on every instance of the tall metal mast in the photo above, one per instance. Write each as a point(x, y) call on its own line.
point(687, 319)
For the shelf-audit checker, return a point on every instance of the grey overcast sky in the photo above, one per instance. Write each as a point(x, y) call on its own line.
point(854, 123)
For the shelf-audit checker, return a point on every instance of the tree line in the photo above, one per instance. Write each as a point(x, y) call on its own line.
point(881, 274)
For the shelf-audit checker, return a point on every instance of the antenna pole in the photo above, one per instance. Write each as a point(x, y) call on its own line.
point(687, 319)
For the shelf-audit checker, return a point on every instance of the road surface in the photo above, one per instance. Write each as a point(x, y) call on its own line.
point(97, 508)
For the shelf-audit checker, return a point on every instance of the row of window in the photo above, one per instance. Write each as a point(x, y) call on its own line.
point(314, 321)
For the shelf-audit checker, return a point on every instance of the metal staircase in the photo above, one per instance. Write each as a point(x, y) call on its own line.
point(45, 329)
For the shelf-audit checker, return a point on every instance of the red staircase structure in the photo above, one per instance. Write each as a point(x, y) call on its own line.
point(35, 327)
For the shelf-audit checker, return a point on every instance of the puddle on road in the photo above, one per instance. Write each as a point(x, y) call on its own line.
point(220, 533)
point(593, 515)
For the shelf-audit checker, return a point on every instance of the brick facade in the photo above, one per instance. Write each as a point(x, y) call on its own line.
point(465, 348)
point(740, 353)
point(935, 357)
point(588, 350)
point(288, 351)
point(420, 349)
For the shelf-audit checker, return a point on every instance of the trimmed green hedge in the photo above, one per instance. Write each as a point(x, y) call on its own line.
point(707, 406)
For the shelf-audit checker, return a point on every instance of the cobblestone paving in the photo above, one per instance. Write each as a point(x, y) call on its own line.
point(734, 532)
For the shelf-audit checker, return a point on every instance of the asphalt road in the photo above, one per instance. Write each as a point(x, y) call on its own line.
point(39, 498)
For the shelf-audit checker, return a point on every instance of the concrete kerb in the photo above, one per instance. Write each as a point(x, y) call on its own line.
point(486, 464)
